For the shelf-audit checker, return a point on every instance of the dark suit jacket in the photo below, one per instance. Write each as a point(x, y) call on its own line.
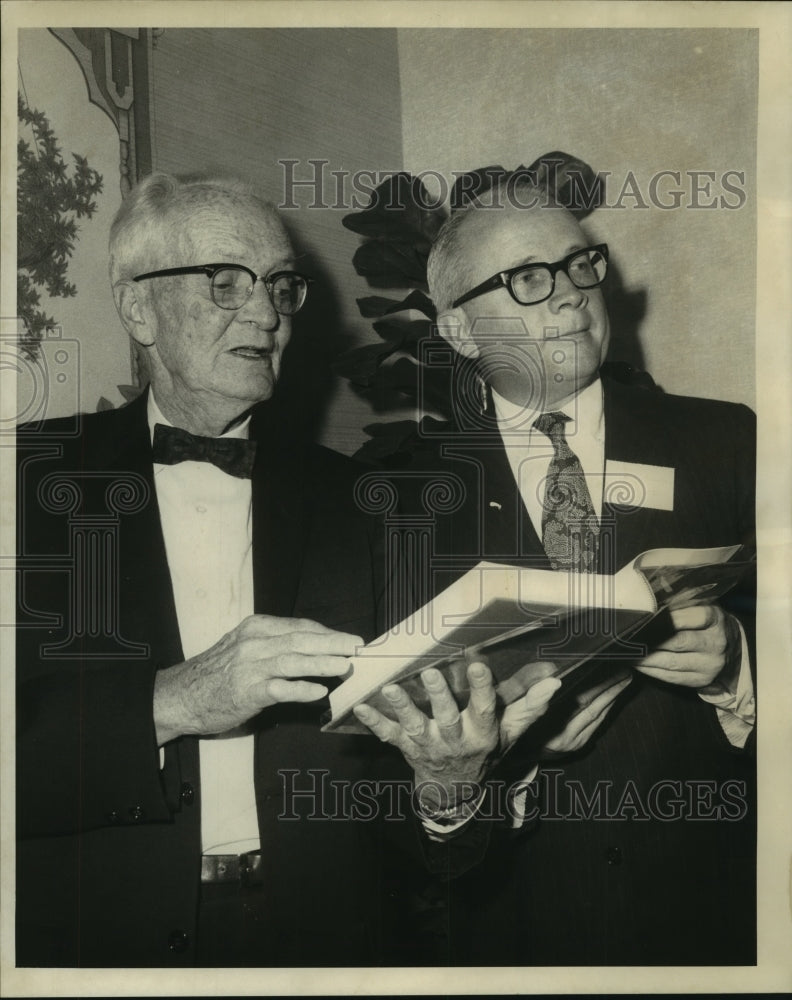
point(109, 850)
point(633, 888)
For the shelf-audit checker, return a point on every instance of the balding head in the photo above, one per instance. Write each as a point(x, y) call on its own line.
point(537, 354)
point(148, 230)
point(449, 267)
point(177, 245)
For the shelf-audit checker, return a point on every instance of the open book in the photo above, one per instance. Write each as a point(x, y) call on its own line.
point(520, 620)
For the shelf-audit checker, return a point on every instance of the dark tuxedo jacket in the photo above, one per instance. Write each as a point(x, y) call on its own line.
point(109, 848)
point(639, 880)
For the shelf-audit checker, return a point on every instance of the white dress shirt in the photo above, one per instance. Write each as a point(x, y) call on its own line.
point(207, 526)
point(529, 453)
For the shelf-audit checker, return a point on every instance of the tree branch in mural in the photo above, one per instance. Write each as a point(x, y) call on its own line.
point(49, 201)
point(398, 226)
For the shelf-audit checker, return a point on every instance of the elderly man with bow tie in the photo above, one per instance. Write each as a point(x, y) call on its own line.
point(193, 580)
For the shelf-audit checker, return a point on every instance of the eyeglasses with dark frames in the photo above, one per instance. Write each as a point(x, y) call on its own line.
point(231, 285)
point(529, 284)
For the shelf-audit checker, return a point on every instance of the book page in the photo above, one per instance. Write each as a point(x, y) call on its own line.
point(679, 577)
point(488, 602)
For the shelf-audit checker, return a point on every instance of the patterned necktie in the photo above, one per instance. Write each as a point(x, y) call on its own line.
point(233, 456)
point(570, 530)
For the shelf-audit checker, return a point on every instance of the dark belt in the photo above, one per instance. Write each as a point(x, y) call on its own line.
point(244, 869)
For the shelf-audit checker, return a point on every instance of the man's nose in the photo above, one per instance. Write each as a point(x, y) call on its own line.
point(566, 292)
point(259, 308)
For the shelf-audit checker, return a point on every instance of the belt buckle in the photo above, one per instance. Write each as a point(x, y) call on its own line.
point(250, 869)
point(219, 868)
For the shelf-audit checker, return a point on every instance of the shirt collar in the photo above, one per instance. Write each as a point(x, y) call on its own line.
point(156, 416)
point(585, 410)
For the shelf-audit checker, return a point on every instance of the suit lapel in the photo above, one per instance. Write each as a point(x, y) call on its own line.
point(147, 606)
point(493, 517)
point(508, 528)
point(494, 510)
point(633, 433)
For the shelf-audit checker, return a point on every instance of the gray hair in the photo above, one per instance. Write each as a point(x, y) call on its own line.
point(448, 268)
point(149, 217)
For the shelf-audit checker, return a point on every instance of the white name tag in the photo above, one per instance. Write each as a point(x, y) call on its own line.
point(629, 484)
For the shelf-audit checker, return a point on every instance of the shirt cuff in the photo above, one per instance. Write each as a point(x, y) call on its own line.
point(517, 810)
point(736, 709)
point(450, 822)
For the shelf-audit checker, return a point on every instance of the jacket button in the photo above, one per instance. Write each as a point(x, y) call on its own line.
point(187, 793)
point(613, 855)
point(177, 941)
point(112, 816)
point(136, 814)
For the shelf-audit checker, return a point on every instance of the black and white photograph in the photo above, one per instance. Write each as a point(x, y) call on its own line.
point(396, 465)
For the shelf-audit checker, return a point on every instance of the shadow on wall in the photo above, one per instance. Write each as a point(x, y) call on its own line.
point(306, 383)
point(627, 311)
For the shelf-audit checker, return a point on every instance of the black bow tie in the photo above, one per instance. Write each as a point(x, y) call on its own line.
point(232, 455)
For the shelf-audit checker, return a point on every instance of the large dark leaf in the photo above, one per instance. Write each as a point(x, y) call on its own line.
point(130, 392)
point(391, 264)
point(569, 180)
point(435, 391)
point(377, 305)
point(401, 376)
point(402, 334)
point(421, 384)
point(419, 301)
point(372, 306)
point(393, 428)
point(400, 208)
point(474, 183)
point(392, 435)
point(388, 442)
point(360, 365)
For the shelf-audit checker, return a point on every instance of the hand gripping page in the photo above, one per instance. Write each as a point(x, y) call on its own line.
point(520, 620)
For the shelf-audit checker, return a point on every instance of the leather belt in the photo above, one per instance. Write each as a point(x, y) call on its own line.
point(244, 869)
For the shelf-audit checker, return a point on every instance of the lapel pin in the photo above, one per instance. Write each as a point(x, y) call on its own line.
point(495, 504)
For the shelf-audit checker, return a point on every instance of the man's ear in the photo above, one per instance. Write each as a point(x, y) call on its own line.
point(454, 327)
point(135, 312)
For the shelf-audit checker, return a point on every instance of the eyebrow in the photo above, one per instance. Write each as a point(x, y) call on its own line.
point(281, 264)
point(531, 259)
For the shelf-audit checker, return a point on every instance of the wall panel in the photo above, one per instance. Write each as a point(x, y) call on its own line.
point(622, 100)
point(243, 100)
